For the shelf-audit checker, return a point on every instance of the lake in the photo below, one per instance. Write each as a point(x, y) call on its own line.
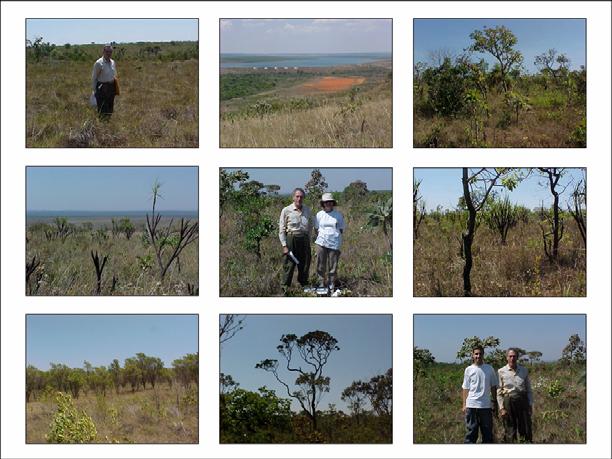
point(299, 60)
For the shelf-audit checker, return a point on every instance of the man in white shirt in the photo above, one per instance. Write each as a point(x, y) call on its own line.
point(479, 398)
point(103, 82)
point(515, 400)
point(294, 230)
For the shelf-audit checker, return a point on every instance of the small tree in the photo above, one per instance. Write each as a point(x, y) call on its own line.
point(69, 425)
point(418, 208)
point(500, 216)
point(126, 227)
point(534, 356)
point(315, 186)
point(546, 63)
point(229, 325)
point(552, 235)
point(575, 351)
point(465, 351)
point(577, 207)
point(186, 234)
point(499, 42)
point(314, 348)
point(382, 217)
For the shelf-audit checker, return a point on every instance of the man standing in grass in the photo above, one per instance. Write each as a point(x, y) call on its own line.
point(515, 400)
point(104, 82)
point(295, 225)
point(479, 388)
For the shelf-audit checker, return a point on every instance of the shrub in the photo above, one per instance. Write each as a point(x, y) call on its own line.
point(68, 425)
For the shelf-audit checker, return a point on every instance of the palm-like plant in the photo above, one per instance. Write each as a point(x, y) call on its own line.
point(382, 217)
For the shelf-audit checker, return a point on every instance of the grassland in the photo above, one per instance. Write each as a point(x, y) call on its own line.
point(66, 266)
point(164, 414)
point(559, 413)
point(158, 105)
point(365, 267)
point(519, 268)
point(306, 108)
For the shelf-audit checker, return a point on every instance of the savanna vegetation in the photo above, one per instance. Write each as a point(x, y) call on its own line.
point(462, 102)
point(157, 255)
point(157, 107)
point(490, 246)
point(250, 253)
point(141, 402)
point(265, 417)
point(344, 106)
point(559, 393)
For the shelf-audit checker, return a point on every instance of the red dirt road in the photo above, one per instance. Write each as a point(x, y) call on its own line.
point(333, 84)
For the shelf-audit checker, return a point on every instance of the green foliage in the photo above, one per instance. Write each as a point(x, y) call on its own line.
point(554, 389)
point(465, 351)
point(575, 351)
point(233, 85)
point(578, 137)
point(186, 369)
point(126, 227)
point(500, 216)
point(68, 425)
point(421, 358)
point(382, 217)
point(446, 86)
point(315, 187)
point(254, 417)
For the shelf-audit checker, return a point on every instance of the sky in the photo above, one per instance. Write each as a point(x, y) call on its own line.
point(337, 178)
point(85, 31)
point(442, 186)
point(99, 338)
point(110, 188)
point(443, 334)
point(269, 36)
point(535, 36)
point(365, 343)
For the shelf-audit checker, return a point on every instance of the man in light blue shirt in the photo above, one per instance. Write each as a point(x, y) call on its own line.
point(479, 398)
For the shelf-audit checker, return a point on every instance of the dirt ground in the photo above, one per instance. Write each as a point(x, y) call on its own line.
point(332, 84)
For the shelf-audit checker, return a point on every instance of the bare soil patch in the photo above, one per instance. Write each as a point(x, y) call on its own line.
point(332, 84)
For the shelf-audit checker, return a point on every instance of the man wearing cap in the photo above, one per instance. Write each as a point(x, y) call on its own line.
point(515, 400)
point(329, 225)
point(103, 82)
point(479, 388)
point(295, 228)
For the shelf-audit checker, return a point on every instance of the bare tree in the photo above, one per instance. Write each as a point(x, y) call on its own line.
point(577, 207)
point(552, 235)
point(229, 325)
point(418, 208)
point(186, 234)
point(99, 268)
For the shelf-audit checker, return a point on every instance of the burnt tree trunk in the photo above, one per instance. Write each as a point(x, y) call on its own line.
point(468, 235)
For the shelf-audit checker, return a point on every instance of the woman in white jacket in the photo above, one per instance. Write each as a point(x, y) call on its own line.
point(329, 224)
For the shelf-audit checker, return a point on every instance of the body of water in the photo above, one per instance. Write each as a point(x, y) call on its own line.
point(79, 216)
point(299, 60)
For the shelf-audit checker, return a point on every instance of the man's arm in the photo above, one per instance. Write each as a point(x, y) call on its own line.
point(94, 76)
point(494, 397)
point(282, 231)
point(464, 394)
point(500, 397)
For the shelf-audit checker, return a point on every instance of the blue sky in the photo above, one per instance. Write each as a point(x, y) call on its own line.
point(535, 36)
point(85, 31)
point(110, 188)
point(99, 338)
point(266, 36)
point(365, 343)
point(442, 186)
point(336, 178)
point(443, 334)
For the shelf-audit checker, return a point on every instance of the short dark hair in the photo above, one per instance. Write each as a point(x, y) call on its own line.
point(298, 189)
point(477, 347)
point(513, 349)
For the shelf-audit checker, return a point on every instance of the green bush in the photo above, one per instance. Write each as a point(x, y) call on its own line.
point(68, 425)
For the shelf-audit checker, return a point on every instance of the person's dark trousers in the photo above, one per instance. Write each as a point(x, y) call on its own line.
point(479, 418)
point(517, 421)
point(105, 98)
point(299, 245)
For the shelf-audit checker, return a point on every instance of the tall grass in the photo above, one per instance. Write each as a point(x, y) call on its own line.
point(561, 418)
point(519, 268)
point(158, 105)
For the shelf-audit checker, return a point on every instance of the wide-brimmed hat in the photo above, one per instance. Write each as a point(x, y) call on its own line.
point(327, 197)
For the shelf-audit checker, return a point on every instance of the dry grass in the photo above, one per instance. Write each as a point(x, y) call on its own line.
point(67, 268)
point(161, 415)
point(518, 269)
point(438, 418)
point(365, 267)
point(158, 106)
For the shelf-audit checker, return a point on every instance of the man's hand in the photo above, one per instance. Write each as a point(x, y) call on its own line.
point(463, 409)
point(285, 250)
point(502, 412)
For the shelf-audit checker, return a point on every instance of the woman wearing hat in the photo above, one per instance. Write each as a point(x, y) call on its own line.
point(330, 226)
